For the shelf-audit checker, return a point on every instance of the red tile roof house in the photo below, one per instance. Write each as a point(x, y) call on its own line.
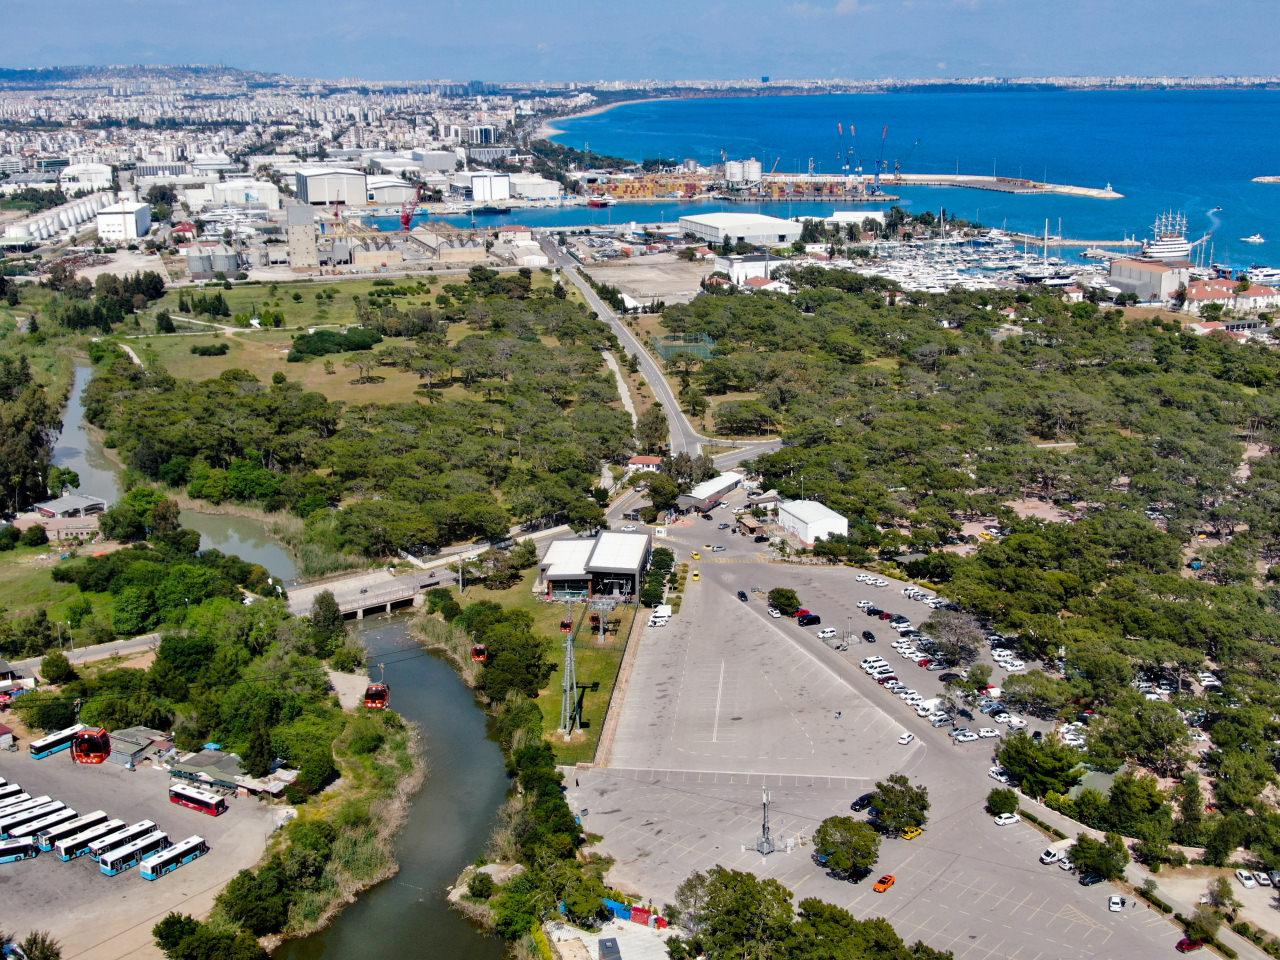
point(1201, 293)
point(637, 464)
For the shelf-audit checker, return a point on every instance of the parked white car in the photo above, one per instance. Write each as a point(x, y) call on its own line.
point(826, 633)
point(997, 773)
point(1007, 819)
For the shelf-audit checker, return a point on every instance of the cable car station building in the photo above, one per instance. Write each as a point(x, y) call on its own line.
point(609, 565)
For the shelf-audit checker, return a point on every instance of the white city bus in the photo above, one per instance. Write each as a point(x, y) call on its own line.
point(78, 846)
point(166, 861)
point(118, 861)
point(121, 838)
point(51, 835)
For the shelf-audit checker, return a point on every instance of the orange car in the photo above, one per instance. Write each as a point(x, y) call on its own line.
point(884, 883)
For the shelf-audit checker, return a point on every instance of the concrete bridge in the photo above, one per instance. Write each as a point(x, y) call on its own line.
point(372, 592)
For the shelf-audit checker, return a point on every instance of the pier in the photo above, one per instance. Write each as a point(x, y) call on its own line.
point(1002, 185)
point(1040, 241)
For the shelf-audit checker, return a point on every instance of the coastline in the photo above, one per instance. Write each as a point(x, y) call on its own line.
point(547, 130)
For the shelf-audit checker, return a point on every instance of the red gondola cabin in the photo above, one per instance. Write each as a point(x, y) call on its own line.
point(91, 746)
point(479, 653)
point(377, 696)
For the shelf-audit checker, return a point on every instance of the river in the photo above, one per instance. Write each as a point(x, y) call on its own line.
point(99, 477)
point(449, 820)
point(407, 916)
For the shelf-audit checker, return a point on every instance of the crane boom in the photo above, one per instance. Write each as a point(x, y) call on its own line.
point(410, 207)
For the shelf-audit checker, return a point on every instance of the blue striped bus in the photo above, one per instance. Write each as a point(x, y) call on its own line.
point(37, 827)
point(118, 861)
point(9, 791)
point(54, 742)
point(78, 846)
point(9, 804)
point(10, 824)
point(51, 835)
point(114, 841)
point(167, 861)
point(19, 848)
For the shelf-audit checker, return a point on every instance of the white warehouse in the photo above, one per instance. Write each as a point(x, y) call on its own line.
point(483, 187)
point(126, 220)
point(530, 186)
point(384, 190)
point(329, 185)
point(753, 228)
point(809, 521)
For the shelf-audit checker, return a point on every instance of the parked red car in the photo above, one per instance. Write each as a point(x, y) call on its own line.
point(1187, 945)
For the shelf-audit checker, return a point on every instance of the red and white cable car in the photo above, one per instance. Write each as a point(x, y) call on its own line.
point(479, 653)
point(91, 746)
point(377, 696)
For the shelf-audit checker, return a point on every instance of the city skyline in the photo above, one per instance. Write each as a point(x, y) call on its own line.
point(849, 39)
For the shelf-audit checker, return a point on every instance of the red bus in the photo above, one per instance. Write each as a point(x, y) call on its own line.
point(197, 799)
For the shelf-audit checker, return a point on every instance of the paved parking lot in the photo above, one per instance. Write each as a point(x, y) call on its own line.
point(105, 918)
point(725, 701)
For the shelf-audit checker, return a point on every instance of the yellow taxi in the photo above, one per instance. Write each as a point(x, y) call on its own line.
point(696, 555)
point(696, 575)
point(910, 833)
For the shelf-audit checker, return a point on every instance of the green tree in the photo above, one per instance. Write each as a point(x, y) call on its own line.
point(172, 930)
point(784, 600)
point(1103, 858)
point(900, 803)
point(651, 429)
point(1002, 800)
point(958, 636)
point(40, 945)
point(34, 536)
point(850, 847)
point(1204, 923)
point(56, 668)
point(327, 626)
point(1040, 768)
point(259, 756)
point(480, 885)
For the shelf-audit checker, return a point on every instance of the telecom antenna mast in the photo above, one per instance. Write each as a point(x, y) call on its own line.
point(764, 846)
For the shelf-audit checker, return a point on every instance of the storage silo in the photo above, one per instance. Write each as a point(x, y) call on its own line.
point(733, 171)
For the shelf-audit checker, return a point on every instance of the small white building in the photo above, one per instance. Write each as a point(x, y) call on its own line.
point(126, 220)
point(753, 228)
point(483, 187)
point(809, 521)
point(245, 192)
point(741, 268)
point(842, 218)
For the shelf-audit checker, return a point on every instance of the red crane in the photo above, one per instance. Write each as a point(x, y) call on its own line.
point(410, 207)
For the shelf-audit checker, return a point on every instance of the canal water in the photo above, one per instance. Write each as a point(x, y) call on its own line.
point(407, 917)
point(76, 449)
point(449, 819)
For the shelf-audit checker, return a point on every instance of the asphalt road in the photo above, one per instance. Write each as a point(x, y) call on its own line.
point(726, 700)
point(684, 438)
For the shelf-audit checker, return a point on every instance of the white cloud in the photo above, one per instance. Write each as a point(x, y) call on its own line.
point(815, 11)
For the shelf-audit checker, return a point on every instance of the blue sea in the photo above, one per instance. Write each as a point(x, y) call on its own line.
point(1188, 151)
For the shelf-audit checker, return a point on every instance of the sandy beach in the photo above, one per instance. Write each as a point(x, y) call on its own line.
point(548, 129)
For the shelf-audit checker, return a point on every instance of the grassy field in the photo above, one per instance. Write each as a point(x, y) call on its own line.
point(263, 353)
point(309, 310)
point(27, 585)
point(597, 665)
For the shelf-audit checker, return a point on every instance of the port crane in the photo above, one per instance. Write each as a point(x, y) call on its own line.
point(884, 135)
point(410, 207)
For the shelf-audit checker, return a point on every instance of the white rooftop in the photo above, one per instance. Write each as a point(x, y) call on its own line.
point(810, 511)
point(735, 221)
point(709, 488)
point(618, 551)
point(124, 206)
point(567, 558)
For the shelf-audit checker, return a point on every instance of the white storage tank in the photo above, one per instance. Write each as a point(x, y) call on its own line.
point(733, 171)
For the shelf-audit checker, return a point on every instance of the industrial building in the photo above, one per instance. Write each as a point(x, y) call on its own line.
point(741, 268)
point(530, 186)
point(610, 564)
point(809, 521)
point(85, 176)
point(66, 219)
point(482, 187)
point(244, 192)
point(70, 505)
point(1149, 279)
point(320, 186)
point(707, 494)
point(435, 161)
point(300, 236)
point(752, 228)
point(389, 190)
point(124, 221)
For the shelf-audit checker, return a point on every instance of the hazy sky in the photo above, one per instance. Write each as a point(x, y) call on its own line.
point(668, 39)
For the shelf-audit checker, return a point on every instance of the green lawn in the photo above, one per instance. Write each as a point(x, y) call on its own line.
point(27, 585)
point(597, 665)
point(264, 353)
